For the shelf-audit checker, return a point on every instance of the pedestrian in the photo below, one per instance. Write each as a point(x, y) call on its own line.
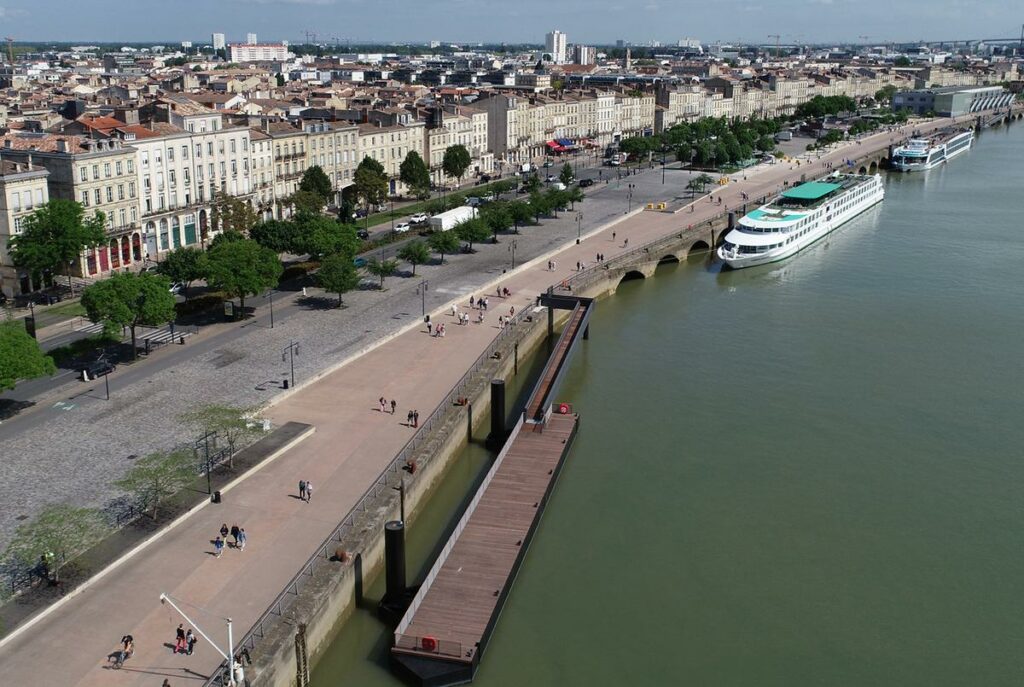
point(179, 639)
point(393, 405)
point(499, 291)
point(443, 330)
point(511, 312)
point(408, 418)
point(507, 292)
point(309, 491)
point(218, 547)
point(554, 264)
point(625, 243)
point(241, 539)
point(480, 317)
point(429, 327)
point(501, 322)
point(190, 641)
point(613, 236)
point(224, 531)
point(415, 418)
point(454, 309)
point(234, 534)
point(471, 301)
point(383, 404)
point(302, 490)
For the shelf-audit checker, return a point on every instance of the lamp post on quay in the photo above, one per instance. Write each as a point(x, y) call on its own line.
point(270, 295)
point(512, 249)
point(289, 352)
point(422, 291)
point(579, 226)
point(630, 198)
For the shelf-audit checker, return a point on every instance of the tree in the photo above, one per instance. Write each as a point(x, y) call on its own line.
point(497, 217)
point(472, 231)
point(277, 235)
point(883, 96)
point(306, 204)
point(370, 181)
point(227, 237)
point(58, 534)
point(697, 184)
point(413, 173)
point(381, 268)
point(53, 237)
point(443, 242)
point(183, 265)
point(456, 161)
point(902, 61)
point(20, 356)
point(229, 213)
point(243, 268)
point(347, 211)
point(520, 213)
point(415, 253)
point(567, 176)
point(337, 275)
point(532, 183)
point(129, 300)
point(766, 144)
point(315, 181)
point(575, 195)
point(323, 236)
point(540, 205)
point(232, 424)
point(157, 476)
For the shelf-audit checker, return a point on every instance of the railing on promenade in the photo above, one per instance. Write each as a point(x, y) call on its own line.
point(511, 333)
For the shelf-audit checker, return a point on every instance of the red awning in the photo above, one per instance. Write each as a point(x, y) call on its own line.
point(555, 146)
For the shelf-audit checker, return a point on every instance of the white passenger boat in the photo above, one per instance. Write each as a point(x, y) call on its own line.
point(920, 154)
point(798, 217)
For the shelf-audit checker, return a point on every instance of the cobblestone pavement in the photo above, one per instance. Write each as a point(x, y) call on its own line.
point(86, 443)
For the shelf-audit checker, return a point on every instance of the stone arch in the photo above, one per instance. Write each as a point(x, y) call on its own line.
point(126, 251)
point(699, 246)
point(862, 170)
point(669, 259)
point(873, 167)
point(632, 275)
point(115, 253)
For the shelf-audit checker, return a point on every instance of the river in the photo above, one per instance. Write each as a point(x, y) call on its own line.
point(804, 473)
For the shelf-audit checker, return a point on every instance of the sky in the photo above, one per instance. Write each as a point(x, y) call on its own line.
point(584, 21)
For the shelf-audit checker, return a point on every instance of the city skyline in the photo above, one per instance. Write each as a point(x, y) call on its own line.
point(599, 22)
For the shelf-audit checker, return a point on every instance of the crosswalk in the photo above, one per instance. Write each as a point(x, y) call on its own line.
point(155, 335)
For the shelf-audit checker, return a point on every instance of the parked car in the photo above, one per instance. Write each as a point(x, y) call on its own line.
point(362, 234)
point(176, 288)
point(549, 163)
point(584, 183)
point(402, 227)
point(420, 218)
point(551, 178)
point(98, 368)
point(485, 178)
point(613, 162)
point(558, 186)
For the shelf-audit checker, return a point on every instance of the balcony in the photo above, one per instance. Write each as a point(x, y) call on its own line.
point(289, 156)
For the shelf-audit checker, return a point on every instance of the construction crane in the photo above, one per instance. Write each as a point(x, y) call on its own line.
point(10, 49)
point(776, 37)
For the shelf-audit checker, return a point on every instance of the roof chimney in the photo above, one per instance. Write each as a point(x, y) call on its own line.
point(30, 162)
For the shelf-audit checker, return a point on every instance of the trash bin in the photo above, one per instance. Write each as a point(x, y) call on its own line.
point(284, 383)
point(216, 497)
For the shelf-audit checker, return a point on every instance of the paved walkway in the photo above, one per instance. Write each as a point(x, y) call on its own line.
point(352, 444)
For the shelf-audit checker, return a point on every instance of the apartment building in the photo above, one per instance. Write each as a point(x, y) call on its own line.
point(261, 165)
point(333, 147)
point(100, 174)
point(389, 144)
point(289, 141)
point(23, 188)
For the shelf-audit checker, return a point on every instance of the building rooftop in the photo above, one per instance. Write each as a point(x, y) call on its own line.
point(810, 191)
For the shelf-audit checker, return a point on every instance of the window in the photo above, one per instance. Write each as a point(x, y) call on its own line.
point(209, 148)
point(149, 205)
point(121, 217)
point(39, 196)
point(160, 182)
point(199, 172)
point(95, 171)
point(170, 178)
point(16, 200)
point(184, 152)
point(118, 168)
point(232, 145)
point(135, 215)
point(199, 149)
point(157, 159)
point(131, 166)
point(222, 168)
point(234, 168)
point(209, 168)
point(146, 187)
point(245, 165)
point(83, 174)
point(245, 145)
point(85, 199)
point(110, 194)
point(120, 191)
point(131, 189)
point(106, 170)
point(184, 174)
point(17, 224)
point(144, 156)
point(220, 147)
point(97, 198)
point(28, 200)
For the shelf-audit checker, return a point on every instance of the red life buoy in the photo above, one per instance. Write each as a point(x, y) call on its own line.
point(429, 643)
point(563, 408)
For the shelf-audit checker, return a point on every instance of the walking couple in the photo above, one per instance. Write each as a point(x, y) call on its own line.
point(305, 490)
point(185, 641)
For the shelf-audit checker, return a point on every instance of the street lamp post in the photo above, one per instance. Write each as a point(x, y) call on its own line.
point(392, 214)
point(270, 295)
point(630, 198)
point(512, 249)
point(579, 227)
point(291, 350)
point(422, 290)
point(662, 166)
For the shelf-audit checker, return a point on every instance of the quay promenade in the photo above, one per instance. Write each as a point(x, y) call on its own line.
point(353, 442)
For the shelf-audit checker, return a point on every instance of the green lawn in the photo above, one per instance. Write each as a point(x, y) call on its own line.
point(411, 209)
point(64, 311)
